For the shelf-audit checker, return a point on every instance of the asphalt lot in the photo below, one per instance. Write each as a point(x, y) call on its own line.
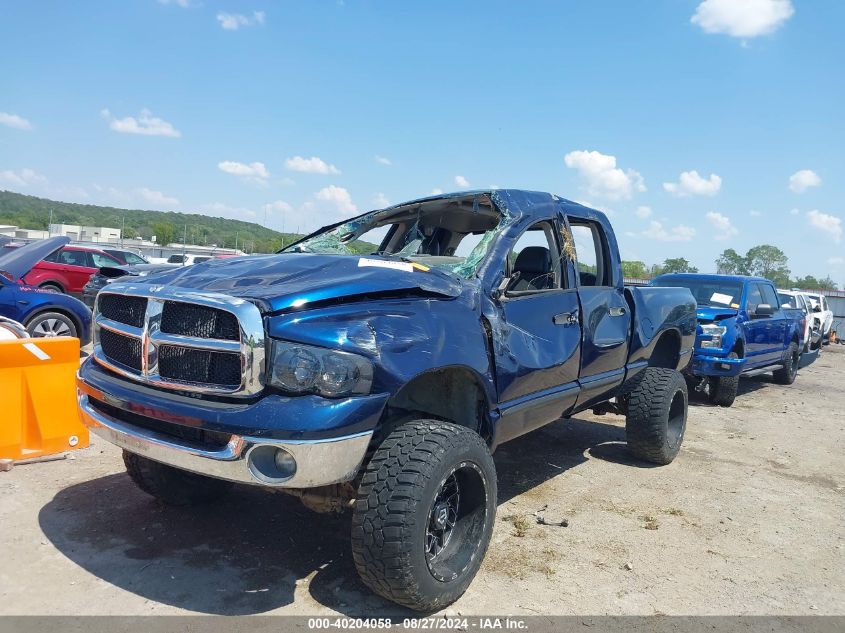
point(748, 520)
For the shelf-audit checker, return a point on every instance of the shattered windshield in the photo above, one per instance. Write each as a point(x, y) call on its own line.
point(451, 234)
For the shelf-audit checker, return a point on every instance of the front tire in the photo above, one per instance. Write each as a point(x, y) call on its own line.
point(723, 388)
point(657, 415)
point(173, 486)
point(50, 325)
point(424, 514)
point(786, 374)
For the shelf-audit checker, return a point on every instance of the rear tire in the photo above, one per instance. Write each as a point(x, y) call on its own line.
point(173, 486)
point(786, 374)
point(723, 388)
point(657, 415)
point(50, 287)
point(424, 514)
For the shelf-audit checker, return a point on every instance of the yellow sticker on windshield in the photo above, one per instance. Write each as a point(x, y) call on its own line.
point(735, 306)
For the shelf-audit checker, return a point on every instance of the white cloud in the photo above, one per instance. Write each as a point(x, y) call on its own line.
point(754, 213)
point(145, 124)
point(436, 191)
point(253, 172)
point(803, 179)
point(279, 209)
point(24, 178)
point(381, 201)
point(742, 18)
point(15, 121)
point(836, 261)
point(690, 183)
point(722, 223)
point(157, 197)
point(313, 165)
point(656, 231)
point(382, 160)
point(643, 212)
point(794, 211)
point(338, 198)
point(179, 3)
point(829, 224)
point(278, 205)
point(234, 21)
point(602, 176)
point(461, 181)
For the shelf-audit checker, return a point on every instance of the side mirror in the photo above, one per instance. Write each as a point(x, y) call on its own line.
point(764, 310)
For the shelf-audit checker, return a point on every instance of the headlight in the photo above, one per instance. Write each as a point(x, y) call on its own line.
point(715, 332)
point(301, 369)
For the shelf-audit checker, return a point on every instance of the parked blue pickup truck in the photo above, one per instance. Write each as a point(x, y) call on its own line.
point(383, 382)
point(742, 329)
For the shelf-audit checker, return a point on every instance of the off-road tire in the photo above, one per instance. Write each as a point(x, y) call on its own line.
point(723, 388)
point(786, 374)
point(173, 486)
point(396, 502)
point(657, 415)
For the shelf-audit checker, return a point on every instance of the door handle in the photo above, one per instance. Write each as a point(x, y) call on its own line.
point(566, 318)
point(616, 311)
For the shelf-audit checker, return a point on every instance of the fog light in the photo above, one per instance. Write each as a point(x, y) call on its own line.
point(285, 463)
point(271, 465)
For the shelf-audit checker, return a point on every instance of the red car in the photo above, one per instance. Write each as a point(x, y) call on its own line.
point(69, 269)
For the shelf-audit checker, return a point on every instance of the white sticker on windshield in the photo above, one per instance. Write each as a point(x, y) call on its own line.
point(380, 263)
point(718, 297)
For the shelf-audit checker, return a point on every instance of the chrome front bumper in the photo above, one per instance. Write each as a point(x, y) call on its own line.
point(319, 462)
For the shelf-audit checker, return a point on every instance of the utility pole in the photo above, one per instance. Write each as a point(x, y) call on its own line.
point(122, 230)
point(184, 240)
point(50, 224)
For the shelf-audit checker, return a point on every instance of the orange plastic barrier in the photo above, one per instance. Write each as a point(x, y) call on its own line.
point(38, 413)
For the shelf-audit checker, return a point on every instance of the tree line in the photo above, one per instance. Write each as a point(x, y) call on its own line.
point(764, 260)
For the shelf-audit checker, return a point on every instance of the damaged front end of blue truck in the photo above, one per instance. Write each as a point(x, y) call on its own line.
point(382, 358)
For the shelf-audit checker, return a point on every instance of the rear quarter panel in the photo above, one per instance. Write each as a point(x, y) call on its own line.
point(659, 312)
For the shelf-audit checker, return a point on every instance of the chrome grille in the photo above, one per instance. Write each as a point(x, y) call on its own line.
point(128, 310)
point(192, 320)
point(204, 342)
point(199, 365)
point(121, 349)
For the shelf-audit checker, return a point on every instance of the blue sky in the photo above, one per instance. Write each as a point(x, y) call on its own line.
point(307, 111)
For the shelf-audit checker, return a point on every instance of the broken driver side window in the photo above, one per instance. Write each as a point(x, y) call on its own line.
point(534, 262)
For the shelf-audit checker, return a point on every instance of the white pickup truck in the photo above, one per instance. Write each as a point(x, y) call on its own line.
point(822, 313)
point(797, 300)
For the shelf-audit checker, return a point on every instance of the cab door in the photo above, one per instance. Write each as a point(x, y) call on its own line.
point(537, 340)
point(606, 315)
point(775, 324)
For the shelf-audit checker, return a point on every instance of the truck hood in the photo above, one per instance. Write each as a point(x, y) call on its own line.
point(294, 280)
point(20, 261)
point(706, 313)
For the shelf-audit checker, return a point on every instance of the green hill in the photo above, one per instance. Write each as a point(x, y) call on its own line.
point(30, 212)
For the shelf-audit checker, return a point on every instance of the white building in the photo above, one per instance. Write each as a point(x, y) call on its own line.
point(96, 234)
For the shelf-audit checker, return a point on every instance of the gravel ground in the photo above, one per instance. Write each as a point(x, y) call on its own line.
point(748, 520)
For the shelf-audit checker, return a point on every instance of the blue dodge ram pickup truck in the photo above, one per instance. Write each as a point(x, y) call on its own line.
point(742, 329)
point(383, 382)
